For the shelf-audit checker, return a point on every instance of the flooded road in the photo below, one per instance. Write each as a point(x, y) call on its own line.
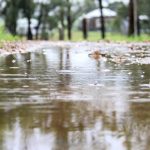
point(59, 98)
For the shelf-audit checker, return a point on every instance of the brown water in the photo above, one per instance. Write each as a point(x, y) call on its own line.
point(61, 99)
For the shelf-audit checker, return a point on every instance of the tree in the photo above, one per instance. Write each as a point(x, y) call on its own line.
point(133, 18)
point(39, 18)
point(66, 13)
point(84, 28)
point(88, 5)
point(69, 19)
point(2, 3)
point(11, 14)
point(45, 10)
point(28, 8)
point(143, 9)
point(60, 13)
point(102, 21)
point(122, 14)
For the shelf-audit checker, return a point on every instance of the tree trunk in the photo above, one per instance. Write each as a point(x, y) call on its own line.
point(39, 23)
point(45, 35)
point(136, 19)
point(131, 18)
point(62, 26)
point(84, 28)
point(12, 28)
point(69, 27)
point(102, 21)
point(138, 27)
point(69, 21)
point(29, 33)
point(37, 33)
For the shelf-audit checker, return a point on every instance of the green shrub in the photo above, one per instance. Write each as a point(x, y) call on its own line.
point(5, 36)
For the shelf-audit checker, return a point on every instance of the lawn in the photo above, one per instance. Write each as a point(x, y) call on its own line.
point(96, 36)
point(5, 36)
point(78, 36)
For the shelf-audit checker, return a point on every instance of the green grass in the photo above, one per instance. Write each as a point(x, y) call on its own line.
point(5, 36)
point(119, 37)
point(78, 36)
point(96, 36)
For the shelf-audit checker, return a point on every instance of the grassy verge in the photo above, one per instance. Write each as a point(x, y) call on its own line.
point(5, 36)
point(96, 36)
point(78, 36)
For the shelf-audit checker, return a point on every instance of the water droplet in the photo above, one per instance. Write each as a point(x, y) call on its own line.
point(142, 76)
point(106, 70)
point(13, 61)
point(104, 59)
point(25, 86)
point(29, 60)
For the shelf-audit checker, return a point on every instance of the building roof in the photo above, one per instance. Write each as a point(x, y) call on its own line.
point(96, 13)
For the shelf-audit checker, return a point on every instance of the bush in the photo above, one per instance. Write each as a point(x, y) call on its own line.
point(6, 36)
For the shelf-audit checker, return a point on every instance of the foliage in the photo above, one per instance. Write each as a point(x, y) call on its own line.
point(88, 5)
point(5, 36)
point(122, 13)
point(59, 14)
point(11, 15)
point(143, 7)
point(27, 7)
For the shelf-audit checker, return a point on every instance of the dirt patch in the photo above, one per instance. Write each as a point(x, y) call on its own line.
point(117, 52)
point(19, 46)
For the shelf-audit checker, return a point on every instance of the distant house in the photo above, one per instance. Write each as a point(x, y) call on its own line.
point(93, 18)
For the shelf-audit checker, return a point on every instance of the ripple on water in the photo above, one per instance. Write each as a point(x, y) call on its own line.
point(145, 87)
point(83, 103)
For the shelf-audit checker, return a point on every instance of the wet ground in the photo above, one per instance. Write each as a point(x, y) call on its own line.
point(60, 98)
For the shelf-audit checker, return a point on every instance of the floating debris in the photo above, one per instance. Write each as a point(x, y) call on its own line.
point(96, 54)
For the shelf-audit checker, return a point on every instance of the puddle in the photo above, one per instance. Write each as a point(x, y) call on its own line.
point(60, 98)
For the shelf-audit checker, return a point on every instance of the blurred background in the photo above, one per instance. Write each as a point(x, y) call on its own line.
point(74, 19)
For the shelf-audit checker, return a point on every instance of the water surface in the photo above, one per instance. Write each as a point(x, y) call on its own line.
point(61, 99)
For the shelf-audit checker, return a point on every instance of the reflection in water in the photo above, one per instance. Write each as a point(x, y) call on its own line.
point(59, 99)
